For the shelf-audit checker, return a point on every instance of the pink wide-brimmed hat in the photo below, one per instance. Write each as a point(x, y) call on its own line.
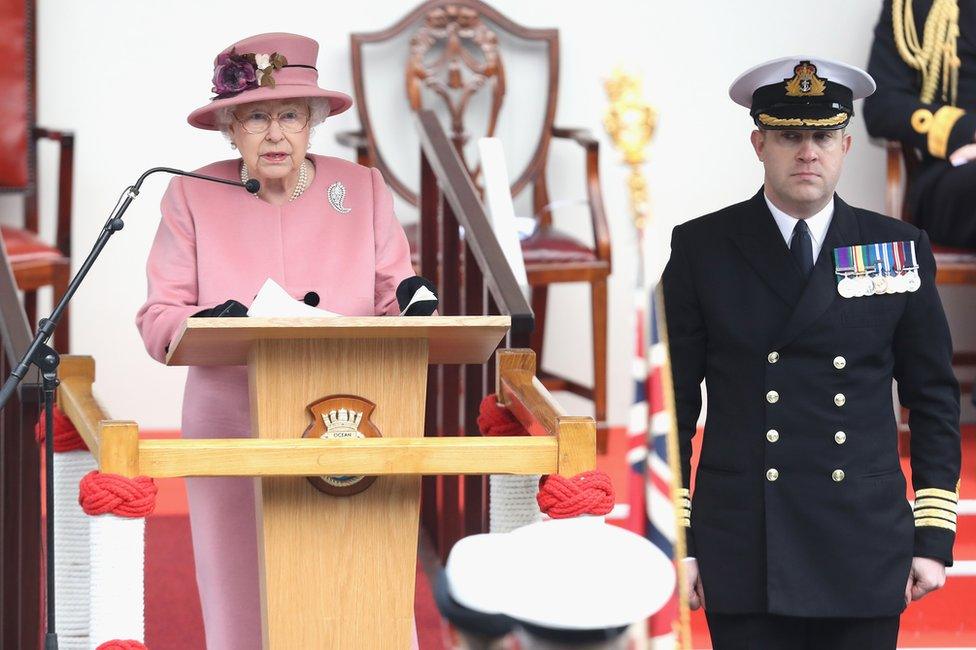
point(266, 67)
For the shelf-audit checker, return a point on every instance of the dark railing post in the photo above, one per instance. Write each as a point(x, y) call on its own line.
point(20, 481)
point(474, 492)
point(430, 202)
point(473, 279)
point(450, 302)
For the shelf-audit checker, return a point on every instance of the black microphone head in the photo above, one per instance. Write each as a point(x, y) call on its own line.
point(253, 185)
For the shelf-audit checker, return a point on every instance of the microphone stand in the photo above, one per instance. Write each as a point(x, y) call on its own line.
point(47, 360)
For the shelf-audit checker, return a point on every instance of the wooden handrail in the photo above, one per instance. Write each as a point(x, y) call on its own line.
point(462, 197)
point(367, 456)
point(75, 399)
point(562, 444)
point(520, 390)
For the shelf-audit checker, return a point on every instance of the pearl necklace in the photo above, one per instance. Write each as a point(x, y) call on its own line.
point(300, 186)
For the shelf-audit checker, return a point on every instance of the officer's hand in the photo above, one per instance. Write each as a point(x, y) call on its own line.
point(963, 155)
point(926, 575)
point(696, 595)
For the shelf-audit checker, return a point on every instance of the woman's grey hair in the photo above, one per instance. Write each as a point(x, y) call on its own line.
point(318, 110)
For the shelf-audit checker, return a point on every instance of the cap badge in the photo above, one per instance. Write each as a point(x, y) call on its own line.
point(805, 82)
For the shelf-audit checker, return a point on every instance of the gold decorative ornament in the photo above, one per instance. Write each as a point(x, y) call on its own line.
point(938, 523)
point(683, 500)
point(922, 120)
point(630, 121)
point(769, 120)
point(940, 128)
point(922, 513)
point(936, 57)
point(805, 82)
point(934, 502)
point(938, 493)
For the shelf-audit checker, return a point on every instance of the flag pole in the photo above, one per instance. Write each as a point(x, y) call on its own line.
point(631, 121)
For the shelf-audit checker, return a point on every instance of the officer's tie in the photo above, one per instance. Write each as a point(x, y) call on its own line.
point(801, 247)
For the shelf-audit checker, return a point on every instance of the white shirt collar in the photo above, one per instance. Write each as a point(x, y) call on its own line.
point(818, 224)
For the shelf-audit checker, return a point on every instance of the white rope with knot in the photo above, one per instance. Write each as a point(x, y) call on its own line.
point(512, 502)
point(72, 559)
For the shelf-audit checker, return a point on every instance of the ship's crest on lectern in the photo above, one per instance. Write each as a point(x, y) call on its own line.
point(342, 423)
point(341, 417)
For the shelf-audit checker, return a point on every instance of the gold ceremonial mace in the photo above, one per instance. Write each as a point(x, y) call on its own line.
point(631, 122)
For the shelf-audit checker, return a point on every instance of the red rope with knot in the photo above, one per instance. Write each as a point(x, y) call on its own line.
point(496, 420)
point(122, 645)
point(588, 493)
point(66, 436)
point(101, 494)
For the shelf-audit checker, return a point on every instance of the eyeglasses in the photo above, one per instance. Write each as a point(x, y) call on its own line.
point(257, 122)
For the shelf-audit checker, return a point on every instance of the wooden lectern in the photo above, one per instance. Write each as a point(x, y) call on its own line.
point(337, 572)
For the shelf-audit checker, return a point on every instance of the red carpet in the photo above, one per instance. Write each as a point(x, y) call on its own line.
point(172, 604)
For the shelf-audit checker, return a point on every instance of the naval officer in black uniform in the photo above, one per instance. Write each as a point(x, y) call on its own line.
point(924, 61)
point(798, 311)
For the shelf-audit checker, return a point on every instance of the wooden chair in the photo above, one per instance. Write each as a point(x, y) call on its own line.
point(451, 55)
point(35, 263)
point(954, 266)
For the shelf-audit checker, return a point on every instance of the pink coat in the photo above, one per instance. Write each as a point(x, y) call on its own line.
point(217, 242)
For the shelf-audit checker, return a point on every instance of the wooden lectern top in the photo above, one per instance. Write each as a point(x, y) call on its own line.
point(227, 341)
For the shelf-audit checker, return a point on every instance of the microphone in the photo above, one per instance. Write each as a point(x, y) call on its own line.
point(46, 359)
point(252, 185)
point(416, 296)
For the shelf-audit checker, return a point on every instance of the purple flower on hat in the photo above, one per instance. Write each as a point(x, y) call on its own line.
point(234, 73)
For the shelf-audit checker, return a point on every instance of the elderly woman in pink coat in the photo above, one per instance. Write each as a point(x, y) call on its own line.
point(321, 227)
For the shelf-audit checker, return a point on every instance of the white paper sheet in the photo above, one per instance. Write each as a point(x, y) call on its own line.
point(273, 301)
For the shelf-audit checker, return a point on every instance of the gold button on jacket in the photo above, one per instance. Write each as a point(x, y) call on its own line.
point(839, 399)
point(772, 397)
point(773, 357)
point(772, 474)
point(838, 475)
point(772, 435)
point(840, 362)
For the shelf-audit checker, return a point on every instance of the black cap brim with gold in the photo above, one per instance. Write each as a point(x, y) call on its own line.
point(801, 92)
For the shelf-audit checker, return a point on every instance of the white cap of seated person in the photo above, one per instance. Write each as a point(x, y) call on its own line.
point(574, 582)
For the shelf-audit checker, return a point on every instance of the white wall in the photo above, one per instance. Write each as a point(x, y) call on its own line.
point(123, 74)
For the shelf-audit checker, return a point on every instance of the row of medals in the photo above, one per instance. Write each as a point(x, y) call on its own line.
point(858, 285)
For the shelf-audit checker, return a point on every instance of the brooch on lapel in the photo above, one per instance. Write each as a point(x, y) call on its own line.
point(337, 195)
point(875, 269)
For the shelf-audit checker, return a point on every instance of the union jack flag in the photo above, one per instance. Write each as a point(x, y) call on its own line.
point(652, 481)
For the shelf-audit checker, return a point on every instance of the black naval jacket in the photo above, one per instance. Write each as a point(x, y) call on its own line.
point(784, 355)
point(888, 112)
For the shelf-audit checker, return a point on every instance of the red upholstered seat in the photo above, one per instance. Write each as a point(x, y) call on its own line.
point(23, 246)
point(547, 245)
point(35, 264)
